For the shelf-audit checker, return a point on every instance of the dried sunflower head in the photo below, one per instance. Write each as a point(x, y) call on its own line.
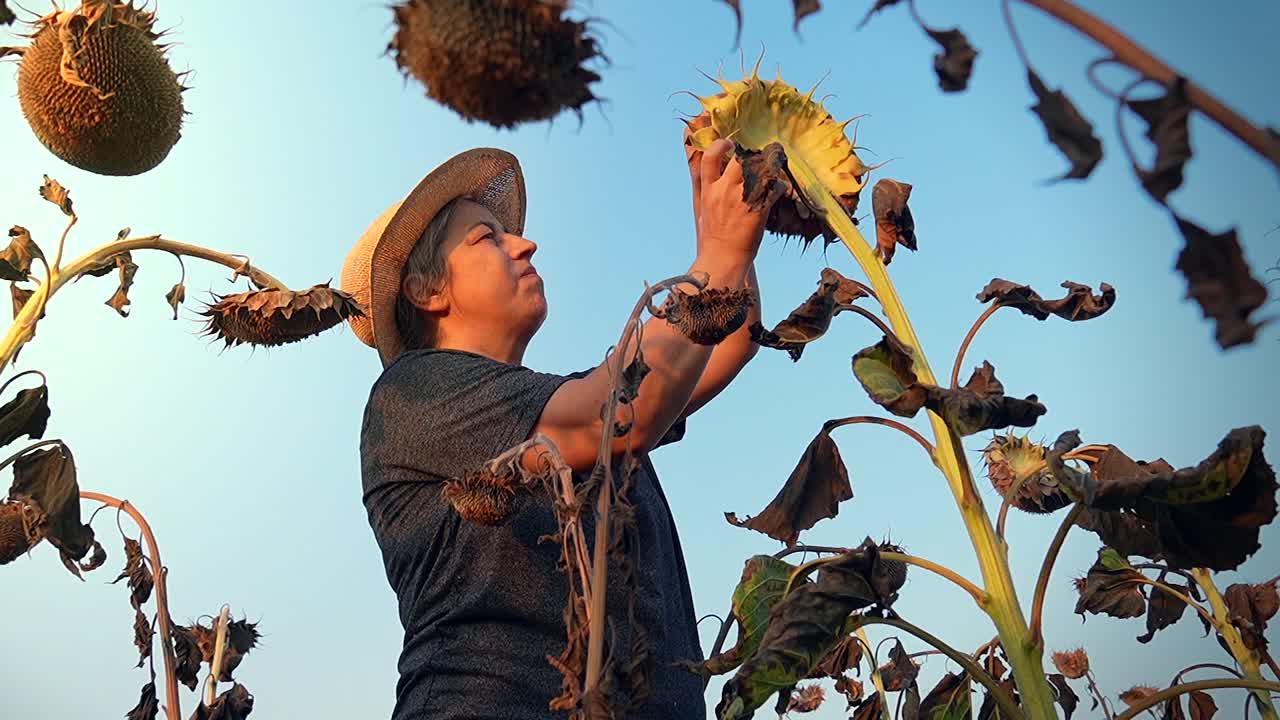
point(21, 526)
point(710, 315)
point(1072, 663)
point(502, 62)
point(1137, 694)
point(1017, 465)
point(895, 570)
point(756, 113)
point(482, 496)
point(97, 90)
point(276, 317)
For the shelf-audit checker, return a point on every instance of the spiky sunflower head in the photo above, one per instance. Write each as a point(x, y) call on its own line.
point(274, 317)
point(1016, 467)
point(97, 90)
point(1073, 664)
point(483, 496)
point(709, 316)
point(755, 113)
point(22, 525)
point(895, 570)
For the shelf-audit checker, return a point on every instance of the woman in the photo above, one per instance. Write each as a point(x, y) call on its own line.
point(453, 299)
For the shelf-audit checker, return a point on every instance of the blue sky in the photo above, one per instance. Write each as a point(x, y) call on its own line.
point(302, 132)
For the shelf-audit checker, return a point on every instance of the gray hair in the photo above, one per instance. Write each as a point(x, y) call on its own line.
point(428, 263)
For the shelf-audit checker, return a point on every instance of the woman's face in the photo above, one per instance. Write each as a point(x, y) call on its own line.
point(491, 285)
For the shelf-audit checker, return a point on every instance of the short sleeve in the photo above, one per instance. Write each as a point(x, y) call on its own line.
point(444, 412)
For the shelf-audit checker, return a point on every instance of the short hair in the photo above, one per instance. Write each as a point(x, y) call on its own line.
point(427, 261)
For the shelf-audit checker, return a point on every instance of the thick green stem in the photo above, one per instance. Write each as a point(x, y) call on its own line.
point(876, 679)
point(1002, 602)
point(1250, 662)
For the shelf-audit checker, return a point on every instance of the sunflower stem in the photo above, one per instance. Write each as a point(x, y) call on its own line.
point(219, 650)
point(1046, 569)
point(1249, 661)
point(876, 680)
point(1258, 686)
point(968, 338)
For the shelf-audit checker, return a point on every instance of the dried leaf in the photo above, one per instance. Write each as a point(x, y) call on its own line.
point(868, 709)
point(990, 710)
point(176, 297)
point(982, 405)
point(1166, 118)
point(1200, 703)
point(15, 260)
point(954, 64)
point(1164, 609)
point(804, 626)
point(884, 370)
point(766, 175)
point(137, 572)
point(1064, 695)
point(142, 635)
point(20, 297)
point(1079, 303)
point(894, 224)
point(1067, 129)
point(850, 688)
point(949, 699)
point(147, 706)
point(800, 8)
point(814, 491)
point(1112, 587)
point(233, 704)
point(120, 299)
point(1123, 530)
point(1137, 694)
point(843, 657)
point(710, 315)
point(46, 478)
point(1208, 515)
point(187, 654)
point(6, 15)
point(26, 414)
point(52, 191)
point(812, 318)
point(1218, 279)
point(764, 578)
point(880, 5)
point(1250, 607)
point(806, 699)
point(100, 268)
point(901, 671)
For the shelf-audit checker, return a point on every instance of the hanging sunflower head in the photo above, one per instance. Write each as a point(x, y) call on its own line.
point(1017, 470)
point(755, 114)
point(274, 317)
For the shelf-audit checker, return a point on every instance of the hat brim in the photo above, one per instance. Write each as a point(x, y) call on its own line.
point(490, 176)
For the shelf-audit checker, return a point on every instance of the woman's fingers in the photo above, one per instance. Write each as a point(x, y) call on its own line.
point(714, 160)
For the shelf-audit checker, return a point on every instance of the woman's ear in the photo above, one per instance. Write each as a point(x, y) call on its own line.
point(424, 297)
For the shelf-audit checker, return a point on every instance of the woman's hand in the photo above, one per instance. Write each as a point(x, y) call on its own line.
point(726, 225)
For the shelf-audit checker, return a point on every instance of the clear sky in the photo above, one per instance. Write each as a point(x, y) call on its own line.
point(302, 132)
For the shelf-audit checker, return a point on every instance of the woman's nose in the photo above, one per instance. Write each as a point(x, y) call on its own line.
point(522, 247)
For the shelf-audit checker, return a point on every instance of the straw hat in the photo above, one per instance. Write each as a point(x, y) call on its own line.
point(373, 269)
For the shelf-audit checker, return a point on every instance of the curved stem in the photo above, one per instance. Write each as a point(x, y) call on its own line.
point(968, 338)
point(219, 649)
point(23, 323)
point(1203, 666)
point(1164, 569)
point(1004, 515)
point(1007, 707)
point(1013, 33)
point(1181, 596)
point(1248, 659)
point(875, 320)
point(809, 548)
point(1046, 569)
point(877, 681)
point(856, 419)
point(1102, 700)
point(1141, 60)
point(978, 595)
point(172, 709)
point(43, 380)
point(1259, 686)
point(9, 460)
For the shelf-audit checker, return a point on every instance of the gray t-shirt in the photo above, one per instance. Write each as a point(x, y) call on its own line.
point(483, 607)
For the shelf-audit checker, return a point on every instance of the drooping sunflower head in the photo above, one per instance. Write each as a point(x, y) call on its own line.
point(1017, 470)
point(274, 317)
point(755, 113)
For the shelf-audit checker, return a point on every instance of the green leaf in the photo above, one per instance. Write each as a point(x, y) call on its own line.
point(884, 369)
point(804, 626)
point(813, 491)
point(949, 699)
point(764, 577)
point(15, 260)
point(52, 191)
point(26, 414)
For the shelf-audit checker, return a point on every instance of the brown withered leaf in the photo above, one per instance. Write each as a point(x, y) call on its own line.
point(1112, 587)
point(1137, 694)
point(142, 635)
point(949, 699)
point(954, 64)
point(880, 5)
point(1200, 704)
point(901, 671)
point(176, 297)
point(97, 557)
point(1208, 515)
point(850, 688)
point(1079, 303)
point(1218, 279)
point(120, 299)
point(884, 370)
point(632, 375)
point(765, 174)
point(53, 191)
point(805, 699)
point(812, 318)
point(1166, 118)
point(26, 414)
point(990, 710)
point(814, 491)
point(136, 572)
point(46, 478)
point(843, 657)
point(186, 651)
point(1122, 530)
point(276, 317)
point(233, 704)
point(868, 709)
point(800, 8)
point(147, 706)
point(20, 297)
point(1250, 607)
point(709, 316)
point(804, 626)
point(1067, 129)
point(894, 224)
point(16, 258)
point(99, 269)
point(1163, 609)
point(981, 404)
point(6, 15)
point(241, 638)
point(1063, 695)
